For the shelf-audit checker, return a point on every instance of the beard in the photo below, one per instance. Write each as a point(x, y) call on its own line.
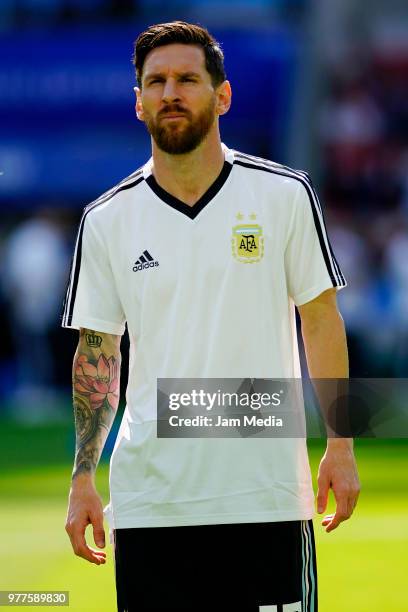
point(176, 139)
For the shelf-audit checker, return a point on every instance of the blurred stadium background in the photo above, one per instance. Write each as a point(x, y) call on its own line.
point(318, 85)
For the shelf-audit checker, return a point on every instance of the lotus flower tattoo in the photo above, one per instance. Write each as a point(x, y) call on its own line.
point(100, 382)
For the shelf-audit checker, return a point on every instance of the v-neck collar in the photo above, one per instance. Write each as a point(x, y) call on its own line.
point(190, 211)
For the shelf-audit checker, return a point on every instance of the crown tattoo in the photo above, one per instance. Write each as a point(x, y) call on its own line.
point(93, 340)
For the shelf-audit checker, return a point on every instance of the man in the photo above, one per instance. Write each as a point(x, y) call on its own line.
point(201, 524)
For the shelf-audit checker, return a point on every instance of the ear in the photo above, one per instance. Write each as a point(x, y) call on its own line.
point(138, 106)
point(224, 95)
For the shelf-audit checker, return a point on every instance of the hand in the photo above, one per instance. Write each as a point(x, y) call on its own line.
point(85, 507)
point(338, 470)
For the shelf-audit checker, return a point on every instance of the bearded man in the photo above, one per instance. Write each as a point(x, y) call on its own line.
point(204, 253)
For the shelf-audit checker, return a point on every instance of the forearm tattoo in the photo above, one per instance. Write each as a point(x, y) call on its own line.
point(93, 339)
point(96, 398)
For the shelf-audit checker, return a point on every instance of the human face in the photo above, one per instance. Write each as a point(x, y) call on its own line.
point(177, 100)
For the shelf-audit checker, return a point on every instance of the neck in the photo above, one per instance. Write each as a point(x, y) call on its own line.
point(188, 176)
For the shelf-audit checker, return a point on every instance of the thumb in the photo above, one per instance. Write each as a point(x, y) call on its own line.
point(98, 532)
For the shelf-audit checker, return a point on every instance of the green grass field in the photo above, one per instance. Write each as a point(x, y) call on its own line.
point(362, 566)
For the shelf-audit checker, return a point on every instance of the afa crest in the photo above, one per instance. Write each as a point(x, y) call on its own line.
point(247, 241)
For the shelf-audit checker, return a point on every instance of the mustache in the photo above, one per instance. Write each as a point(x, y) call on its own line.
point(173, 108)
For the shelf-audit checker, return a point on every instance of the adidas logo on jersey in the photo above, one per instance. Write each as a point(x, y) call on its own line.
point(145, 261)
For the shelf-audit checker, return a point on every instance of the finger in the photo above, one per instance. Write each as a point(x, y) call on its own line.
point(330, 523)
point(327, 519)
point(81, 548)
point(90, 554)
point(97, 557)
point(333, 524)
point(340, 515)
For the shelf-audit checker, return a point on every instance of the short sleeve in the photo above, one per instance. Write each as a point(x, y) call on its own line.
point(310, 264)
point(92, 299)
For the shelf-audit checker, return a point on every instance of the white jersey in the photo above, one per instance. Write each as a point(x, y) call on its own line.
point(207, 291)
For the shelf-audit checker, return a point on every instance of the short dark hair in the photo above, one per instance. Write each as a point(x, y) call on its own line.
point(187, 34)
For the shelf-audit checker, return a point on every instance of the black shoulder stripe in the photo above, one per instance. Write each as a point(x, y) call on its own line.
point(119, 187)
point(332, 266)
point(275, 166)
point(336, 264)
point(268, 162)
point(69, 301)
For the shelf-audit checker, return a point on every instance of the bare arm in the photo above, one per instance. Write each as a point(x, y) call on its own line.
point(324, 337)
point(95, 378)
point(325, 344)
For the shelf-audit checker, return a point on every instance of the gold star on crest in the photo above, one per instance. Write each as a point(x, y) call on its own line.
point(252, 216)
point(240, 216)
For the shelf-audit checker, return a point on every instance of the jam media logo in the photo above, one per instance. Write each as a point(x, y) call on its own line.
point(247, 241)
point(145, 261)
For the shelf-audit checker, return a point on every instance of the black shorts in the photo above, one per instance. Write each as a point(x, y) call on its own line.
point(240, 567)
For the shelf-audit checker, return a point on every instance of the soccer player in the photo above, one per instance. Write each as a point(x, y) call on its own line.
point(204, 253)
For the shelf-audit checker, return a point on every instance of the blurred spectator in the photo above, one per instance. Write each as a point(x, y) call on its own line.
point(364, 144)
point(34, 270)
point(396, 269)
point(351, 126)
point(358, 304)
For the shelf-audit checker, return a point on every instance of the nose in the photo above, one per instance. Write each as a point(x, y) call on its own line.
point(170, 91)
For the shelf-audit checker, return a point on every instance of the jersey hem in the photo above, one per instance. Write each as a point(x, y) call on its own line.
point(214, 519)
point(312, 293)
point(105, 327)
